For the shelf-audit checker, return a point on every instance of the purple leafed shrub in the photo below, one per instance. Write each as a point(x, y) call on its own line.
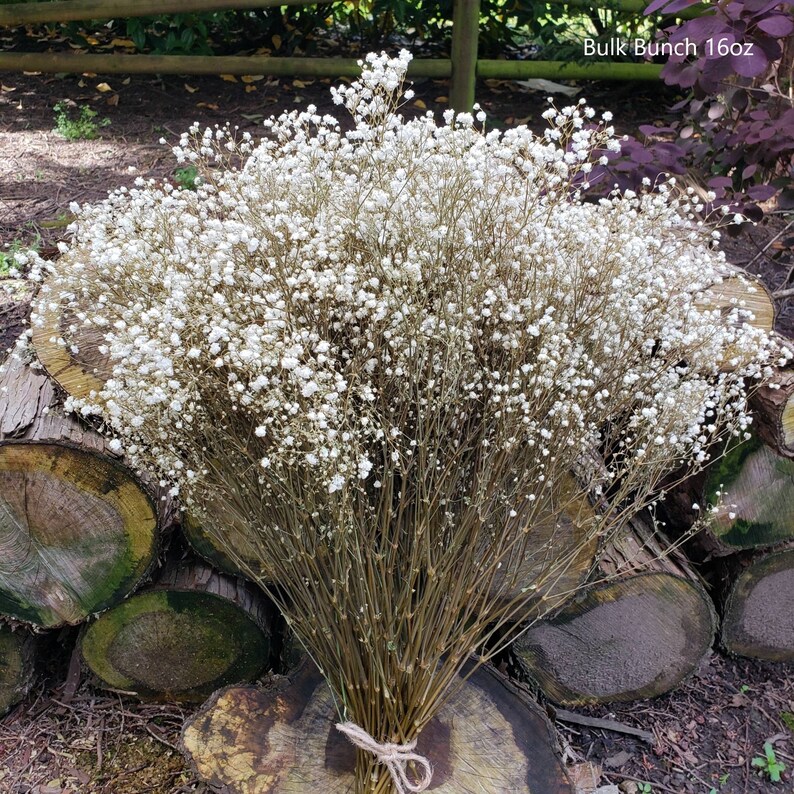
point(737, 121)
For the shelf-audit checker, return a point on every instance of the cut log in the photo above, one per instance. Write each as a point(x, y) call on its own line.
point(637, 634)
point(759, 620)
point(755, 305)
point(208, 546)
point(488, 738)
point(68, 349)
point(17, 664)
point(773, 412)
point(558, 555)
point(78, 530)
point(192, 632)
point(753, 489)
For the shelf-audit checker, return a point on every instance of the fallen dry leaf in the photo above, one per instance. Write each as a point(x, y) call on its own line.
point(584, 777)
point(252, 78)
point(190, 88)
point(103, 87)
point(229, 78)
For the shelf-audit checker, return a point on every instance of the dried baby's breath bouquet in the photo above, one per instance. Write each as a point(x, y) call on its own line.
point(384, 357)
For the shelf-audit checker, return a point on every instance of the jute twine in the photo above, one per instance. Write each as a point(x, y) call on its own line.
point(394, 757)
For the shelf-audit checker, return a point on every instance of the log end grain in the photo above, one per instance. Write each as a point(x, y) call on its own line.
point(77, 533)
point(633, 638)
point(759, 618)
point(175, 645)
point(488, 739)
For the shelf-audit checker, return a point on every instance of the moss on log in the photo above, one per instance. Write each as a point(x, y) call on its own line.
point(222, 555)
point(488, 738)
point(753, 489)
point(759, 619)
point(638, 634)
point(192, 632)
point(17, 665)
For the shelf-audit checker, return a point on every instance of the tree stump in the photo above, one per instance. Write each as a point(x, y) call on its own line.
point(758, 619)
point(488, 738)
point(636, 635)
point(17, 665)
point(192, 632)
point(78, 530)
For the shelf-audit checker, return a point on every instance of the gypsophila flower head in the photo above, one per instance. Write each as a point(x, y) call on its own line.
point(339, 305)
point(380, 354)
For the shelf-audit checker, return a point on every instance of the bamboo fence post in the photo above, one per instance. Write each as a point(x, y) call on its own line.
point(71, 10)
point(632, 6)
point(465, 38)
point(68, 63)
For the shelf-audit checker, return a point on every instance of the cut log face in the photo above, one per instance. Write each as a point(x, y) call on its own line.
point(773, 412)
point(756, 508)
point(487, 739)
point(637, 637)
point(17, 663)
point(559, 555)
point(755, 306)
point(759, 613)
point(194, 632)
point(207, 546)
point(77, 533)
point(70, 351)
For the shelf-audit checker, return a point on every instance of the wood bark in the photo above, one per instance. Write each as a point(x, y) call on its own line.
point(773, 412)
point(182, 638)
point(488, 738)
point(78, 530)
point(17, 664)
point(636, 634)
point(758, 619)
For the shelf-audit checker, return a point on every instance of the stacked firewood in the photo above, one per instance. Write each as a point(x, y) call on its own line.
point(84, 540)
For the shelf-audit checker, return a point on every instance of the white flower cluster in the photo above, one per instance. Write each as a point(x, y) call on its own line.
point(345, 304)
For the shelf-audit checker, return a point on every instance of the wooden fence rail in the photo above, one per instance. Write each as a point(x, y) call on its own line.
point(463, 67)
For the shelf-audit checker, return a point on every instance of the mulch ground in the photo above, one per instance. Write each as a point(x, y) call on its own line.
point(68, 735)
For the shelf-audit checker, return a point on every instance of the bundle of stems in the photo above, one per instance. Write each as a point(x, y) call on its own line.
point(382, 360)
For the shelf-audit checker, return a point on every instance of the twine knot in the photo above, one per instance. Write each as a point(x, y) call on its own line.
point(394, 757)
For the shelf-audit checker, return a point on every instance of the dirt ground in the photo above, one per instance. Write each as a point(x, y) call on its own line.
point(69, 736)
